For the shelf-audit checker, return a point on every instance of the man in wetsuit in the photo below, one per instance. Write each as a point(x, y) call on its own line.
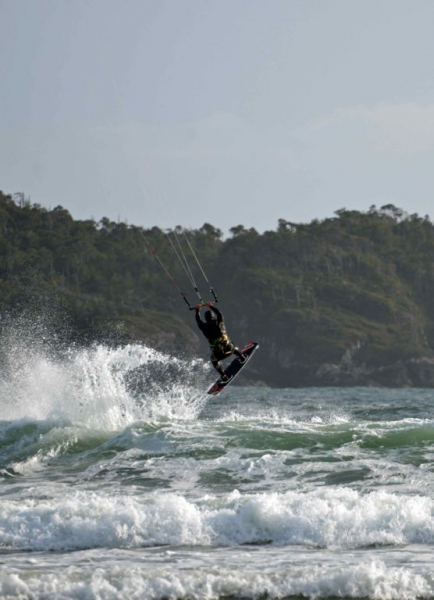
point(213, 328)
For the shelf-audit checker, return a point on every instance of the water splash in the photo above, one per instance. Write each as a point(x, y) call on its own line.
point(100, 387)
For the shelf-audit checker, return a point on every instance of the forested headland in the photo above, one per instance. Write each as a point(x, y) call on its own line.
point(343, 301)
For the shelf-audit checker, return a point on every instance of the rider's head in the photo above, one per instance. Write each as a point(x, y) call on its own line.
point(209, 316)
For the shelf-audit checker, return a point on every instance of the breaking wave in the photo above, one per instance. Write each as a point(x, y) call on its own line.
point(370, 579)
point(100, 387)
point(333, 518)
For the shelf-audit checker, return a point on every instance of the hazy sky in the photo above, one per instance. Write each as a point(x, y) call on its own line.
point(227, 111)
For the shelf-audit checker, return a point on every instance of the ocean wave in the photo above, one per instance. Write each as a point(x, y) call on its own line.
point(100, 387)
point(370, 579)
point(241, 449)
point(331, 518)
point(27, 447)
point(263, 435)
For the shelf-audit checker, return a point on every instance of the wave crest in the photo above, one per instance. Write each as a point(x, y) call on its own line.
point(100, 387)
point(328, 519)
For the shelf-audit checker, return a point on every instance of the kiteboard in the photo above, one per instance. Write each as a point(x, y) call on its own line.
point(234, 368)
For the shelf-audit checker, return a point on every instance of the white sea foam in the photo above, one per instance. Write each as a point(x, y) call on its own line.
point(333, 518)
point(91, 386)
point(282, 416)
point(371, 579)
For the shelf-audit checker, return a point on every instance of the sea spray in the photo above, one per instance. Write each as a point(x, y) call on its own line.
point(92, 386)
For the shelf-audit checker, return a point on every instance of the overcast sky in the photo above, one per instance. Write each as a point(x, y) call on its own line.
point(226, 111)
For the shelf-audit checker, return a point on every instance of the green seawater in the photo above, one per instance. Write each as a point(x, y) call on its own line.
point(258, 493)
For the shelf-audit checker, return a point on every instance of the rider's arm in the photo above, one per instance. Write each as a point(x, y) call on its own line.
point(217, 313)
point(197, 315)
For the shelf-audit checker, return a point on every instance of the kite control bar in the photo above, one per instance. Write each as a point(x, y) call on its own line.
point(199, 306)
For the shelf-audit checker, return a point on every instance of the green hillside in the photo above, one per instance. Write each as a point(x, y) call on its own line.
point(347, 300)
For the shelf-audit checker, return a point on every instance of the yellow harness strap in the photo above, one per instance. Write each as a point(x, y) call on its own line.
point(220, 341)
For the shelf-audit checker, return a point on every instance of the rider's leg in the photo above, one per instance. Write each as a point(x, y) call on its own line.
point(217, 366)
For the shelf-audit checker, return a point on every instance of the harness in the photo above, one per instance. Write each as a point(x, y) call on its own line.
point(223, 340)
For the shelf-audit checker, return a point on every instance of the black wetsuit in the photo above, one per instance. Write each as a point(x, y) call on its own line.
point(215, 332)
point(214, 329)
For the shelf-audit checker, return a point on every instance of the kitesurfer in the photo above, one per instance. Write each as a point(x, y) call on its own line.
point(213, 328)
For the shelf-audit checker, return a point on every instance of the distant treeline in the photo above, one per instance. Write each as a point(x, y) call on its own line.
point(344, 300)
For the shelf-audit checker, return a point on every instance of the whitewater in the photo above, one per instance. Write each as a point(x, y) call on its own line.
point(121, 479)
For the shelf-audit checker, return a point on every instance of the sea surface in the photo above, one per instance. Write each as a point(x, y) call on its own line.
point(121, 479)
